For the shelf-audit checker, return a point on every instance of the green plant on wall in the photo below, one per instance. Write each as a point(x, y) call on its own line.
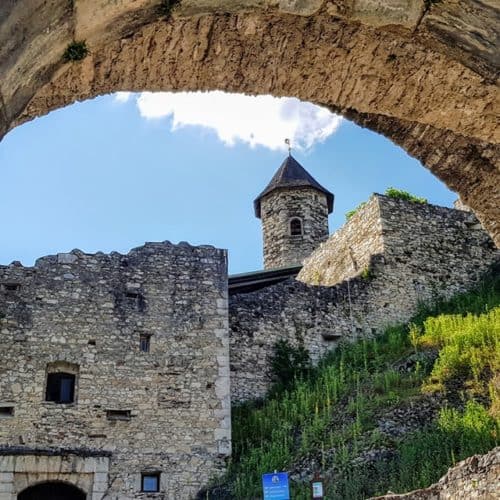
point(350, 213)
point(76, 51)
point(399, 194)
point(390, 192)
point(367, 273)
point(167, 6)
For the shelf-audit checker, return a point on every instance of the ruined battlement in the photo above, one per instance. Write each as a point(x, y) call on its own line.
point(403, 231)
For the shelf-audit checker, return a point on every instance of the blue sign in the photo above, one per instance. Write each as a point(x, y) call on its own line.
point(275, 486)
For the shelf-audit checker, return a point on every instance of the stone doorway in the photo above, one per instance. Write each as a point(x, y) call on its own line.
point(52, 491)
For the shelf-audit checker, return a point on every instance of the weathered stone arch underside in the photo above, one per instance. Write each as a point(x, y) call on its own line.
point(422, 73)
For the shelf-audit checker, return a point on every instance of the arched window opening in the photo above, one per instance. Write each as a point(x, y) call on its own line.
point(296, 227)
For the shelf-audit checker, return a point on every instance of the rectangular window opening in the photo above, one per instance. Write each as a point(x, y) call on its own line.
point(60, 388)
point(145, 343)
point(330, 336)
point(12, 287)
point(6, 411)
point(150, 482)
point(118, 414)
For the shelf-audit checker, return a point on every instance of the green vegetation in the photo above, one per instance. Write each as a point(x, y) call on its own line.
point(367, 273)
point(328, 418)
point(350, 213)
point(399, 194)
point(289, 364)
point(166, 7)
point(76, 51)
point(391, 192)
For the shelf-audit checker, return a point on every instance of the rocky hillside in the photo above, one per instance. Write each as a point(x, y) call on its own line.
point(390, 414)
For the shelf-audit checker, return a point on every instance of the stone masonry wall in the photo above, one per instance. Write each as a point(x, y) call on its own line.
point(473, 478)
point(348, 251)
point(85, 314)
point(419, 251)
point(281, 249)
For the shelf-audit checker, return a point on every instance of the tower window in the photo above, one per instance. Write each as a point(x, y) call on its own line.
point(145, 343)
point(296, 227)
point(150, 482)
point(60, 387)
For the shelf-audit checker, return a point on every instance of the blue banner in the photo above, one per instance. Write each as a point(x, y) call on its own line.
point(275, 486)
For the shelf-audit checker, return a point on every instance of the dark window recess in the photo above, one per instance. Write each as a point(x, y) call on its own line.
point(118, 414)
point(91, 342)
point(135, 299)
point(295, 227)
point(12, 287)
point(145, 343)
point(150, 482)
point(6, 411)
point(60, 388)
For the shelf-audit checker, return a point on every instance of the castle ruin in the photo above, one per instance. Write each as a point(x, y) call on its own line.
point(117, 372)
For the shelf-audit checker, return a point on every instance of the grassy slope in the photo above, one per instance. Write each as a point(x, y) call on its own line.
point(440, 374)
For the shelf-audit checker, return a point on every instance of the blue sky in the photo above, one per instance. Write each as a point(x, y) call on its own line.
point(110, 174)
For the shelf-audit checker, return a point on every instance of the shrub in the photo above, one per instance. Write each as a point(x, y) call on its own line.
point(289, 363)
point(469, 348)
point(399, 194)
point(76, 51)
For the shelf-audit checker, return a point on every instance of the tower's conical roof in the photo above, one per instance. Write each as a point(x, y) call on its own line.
point(292, 174)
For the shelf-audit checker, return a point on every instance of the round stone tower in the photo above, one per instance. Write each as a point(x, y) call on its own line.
point(294, 210)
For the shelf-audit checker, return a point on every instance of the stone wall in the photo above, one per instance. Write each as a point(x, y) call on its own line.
point(406, 253)
point(281, 249)
point(475, 477)
point(348, 251)
point(85, 314)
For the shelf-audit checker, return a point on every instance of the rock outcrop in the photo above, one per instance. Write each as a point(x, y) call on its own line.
point(475, 477)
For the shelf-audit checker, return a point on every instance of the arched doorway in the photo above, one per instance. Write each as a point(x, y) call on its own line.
point(52, 491)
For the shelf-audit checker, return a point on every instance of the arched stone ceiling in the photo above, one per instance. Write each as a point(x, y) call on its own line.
point(424, 73)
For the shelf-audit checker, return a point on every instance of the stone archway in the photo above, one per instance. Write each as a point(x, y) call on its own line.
point(52, 491)
point(421, 72)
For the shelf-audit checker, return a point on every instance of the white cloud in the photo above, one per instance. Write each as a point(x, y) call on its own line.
point(259, 121)
point(122, 97)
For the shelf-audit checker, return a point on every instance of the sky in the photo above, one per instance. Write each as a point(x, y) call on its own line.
point(111, 173)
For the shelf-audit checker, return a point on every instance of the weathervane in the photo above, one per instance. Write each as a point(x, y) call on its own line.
point(287, 142)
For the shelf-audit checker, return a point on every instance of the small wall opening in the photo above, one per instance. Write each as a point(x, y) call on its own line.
point(145, 342)
point(11, 287)
point(118, 414)
point(296, 227)
point(6, 410)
